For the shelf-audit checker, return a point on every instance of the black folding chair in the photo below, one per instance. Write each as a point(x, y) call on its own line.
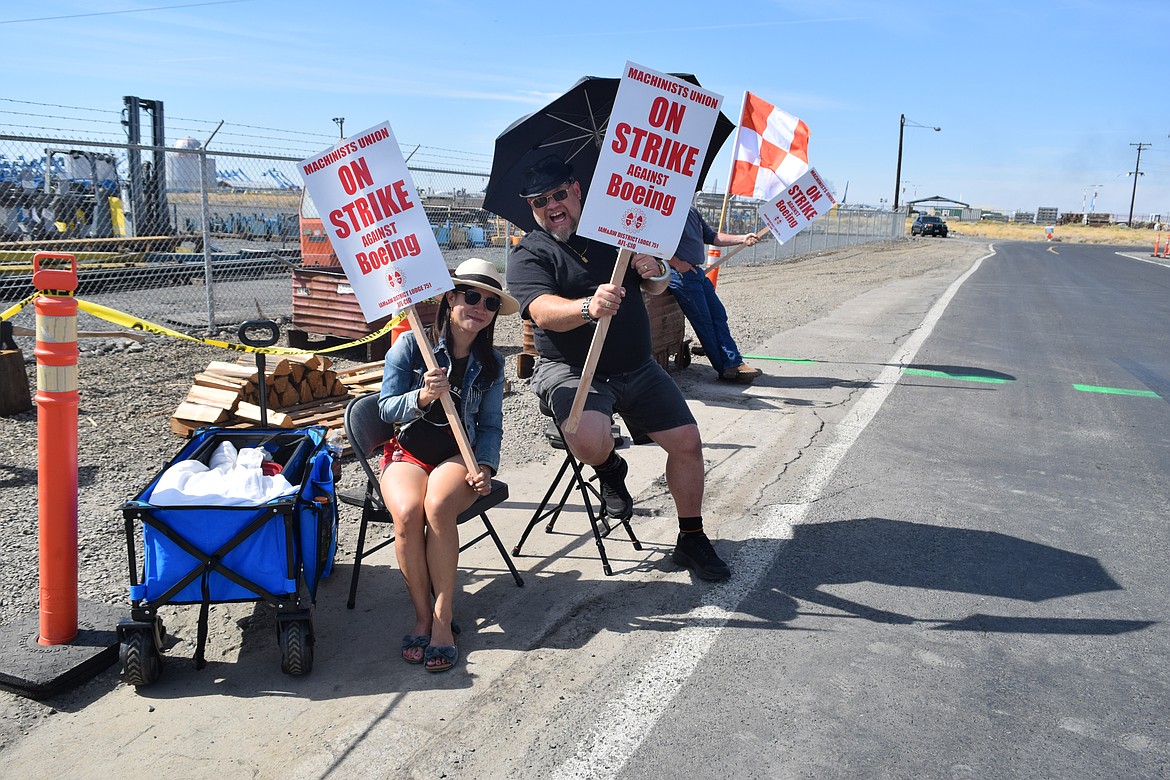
point(570, 473)
point(367, 432)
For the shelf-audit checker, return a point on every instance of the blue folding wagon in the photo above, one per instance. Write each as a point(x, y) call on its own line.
point(274, 551)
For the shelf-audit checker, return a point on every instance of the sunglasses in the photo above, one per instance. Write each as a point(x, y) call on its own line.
point(472, 297)
point(540, 201)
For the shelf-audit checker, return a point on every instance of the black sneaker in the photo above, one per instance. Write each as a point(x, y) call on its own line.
point(694, 551)
point(619, 504)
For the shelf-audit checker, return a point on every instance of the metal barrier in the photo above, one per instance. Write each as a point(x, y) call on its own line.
point(199, 238)
point(212, 246)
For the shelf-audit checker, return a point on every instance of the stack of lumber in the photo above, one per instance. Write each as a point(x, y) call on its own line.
point(300, 390)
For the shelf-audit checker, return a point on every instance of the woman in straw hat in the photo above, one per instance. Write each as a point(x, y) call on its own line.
point(425, 482)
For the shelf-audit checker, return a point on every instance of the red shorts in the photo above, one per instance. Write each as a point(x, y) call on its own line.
point(392, 453)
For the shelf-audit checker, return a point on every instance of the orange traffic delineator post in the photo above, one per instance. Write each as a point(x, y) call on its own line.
point(1157, 241)
point(712, 257)
point(68, 641)
point(401, 327)
point(56, 399)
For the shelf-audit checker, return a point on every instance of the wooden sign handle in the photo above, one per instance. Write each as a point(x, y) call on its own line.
point(428, 353)
point(759, 234)
point(590, 368)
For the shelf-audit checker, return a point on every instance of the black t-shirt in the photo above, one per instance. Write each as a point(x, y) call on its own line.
point(541, 265)
point(429, 438)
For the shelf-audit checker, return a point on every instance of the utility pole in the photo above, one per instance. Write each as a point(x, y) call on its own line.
point(1136, 173)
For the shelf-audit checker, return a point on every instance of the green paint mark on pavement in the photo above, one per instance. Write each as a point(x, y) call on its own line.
point(995, 380)
point(1116, 391)
point(781, 359)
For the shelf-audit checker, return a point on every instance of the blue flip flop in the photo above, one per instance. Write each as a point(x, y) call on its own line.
point(411, 641)
point(440, 658)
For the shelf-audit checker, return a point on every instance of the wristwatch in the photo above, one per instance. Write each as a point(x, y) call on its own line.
point(585, 315)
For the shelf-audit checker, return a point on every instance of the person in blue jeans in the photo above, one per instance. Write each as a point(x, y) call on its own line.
point(696, 297)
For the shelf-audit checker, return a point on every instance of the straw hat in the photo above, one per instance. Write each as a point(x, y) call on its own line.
point(483, 276)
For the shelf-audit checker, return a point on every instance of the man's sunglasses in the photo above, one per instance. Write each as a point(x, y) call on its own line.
point(472, 297)
point(540, 201)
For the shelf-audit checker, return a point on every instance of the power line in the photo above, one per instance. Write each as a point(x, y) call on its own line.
point(127, 11)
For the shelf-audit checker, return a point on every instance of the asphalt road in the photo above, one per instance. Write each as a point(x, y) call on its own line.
point(979, 590)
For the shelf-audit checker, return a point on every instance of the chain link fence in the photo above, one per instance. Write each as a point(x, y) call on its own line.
point(199, 237)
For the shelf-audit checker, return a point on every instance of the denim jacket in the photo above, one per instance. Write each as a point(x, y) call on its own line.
point(483, 401)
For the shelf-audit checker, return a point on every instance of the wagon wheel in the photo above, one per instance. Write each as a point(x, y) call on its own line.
point(683, 358)
point(296, 647)
point(140, 660)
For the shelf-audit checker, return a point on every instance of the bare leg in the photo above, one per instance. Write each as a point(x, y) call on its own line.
point(404, 488)
point(448, 494)
point(593, 440)
point(684, 467)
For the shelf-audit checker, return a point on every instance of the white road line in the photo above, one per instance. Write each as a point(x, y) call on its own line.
point(628, 718)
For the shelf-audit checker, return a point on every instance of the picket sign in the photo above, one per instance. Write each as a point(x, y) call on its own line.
point(676, 119)
point(383, 238)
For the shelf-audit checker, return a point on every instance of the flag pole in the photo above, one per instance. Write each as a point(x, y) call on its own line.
point(731, 169)
point(758, 234)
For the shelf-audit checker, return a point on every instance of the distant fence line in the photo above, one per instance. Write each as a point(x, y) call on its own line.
point(206, 239)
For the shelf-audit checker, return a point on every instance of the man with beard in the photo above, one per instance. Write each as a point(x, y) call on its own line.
point(562, 283)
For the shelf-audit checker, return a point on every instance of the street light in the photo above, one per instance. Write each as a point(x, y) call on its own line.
point(903, 122)
point(340, 122)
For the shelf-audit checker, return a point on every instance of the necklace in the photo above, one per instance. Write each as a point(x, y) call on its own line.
point(580, 255)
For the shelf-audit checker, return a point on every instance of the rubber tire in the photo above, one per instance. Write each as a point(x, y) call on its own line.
point(296, 647)
point(140, 662)
point(683, 358)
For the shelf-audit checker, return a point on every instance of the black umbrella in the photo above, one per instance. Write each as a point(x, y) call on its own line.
point(572, 127)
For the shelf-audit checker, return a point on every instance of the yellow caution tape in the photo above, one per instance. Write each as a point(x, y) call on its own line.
point(12, 311)
point(127, 321)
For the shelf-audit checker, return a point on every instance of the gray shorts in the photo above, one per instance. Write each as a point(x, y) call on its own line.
point(647, 398)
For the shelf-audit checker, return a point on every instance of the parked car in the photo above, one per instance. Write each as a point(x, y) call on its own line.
point(928, 226)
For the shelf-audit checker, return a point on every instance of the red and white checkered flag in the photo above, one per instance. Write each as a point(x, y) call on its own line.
point(771, 150)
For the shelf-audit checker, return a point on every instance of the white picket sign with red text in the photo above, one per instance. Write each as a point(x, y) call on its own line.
point(375, 222)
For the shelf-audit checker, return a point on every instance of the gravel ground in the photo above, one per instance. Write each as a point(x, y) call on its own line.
point(129, 390)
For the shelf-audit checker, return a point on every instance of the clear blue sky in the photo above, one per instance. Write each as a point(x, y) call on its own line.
point(1037, 101)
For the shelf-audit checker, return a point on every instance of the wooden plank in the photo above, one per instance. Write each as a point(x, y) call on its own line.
point(200, 413)
point(290, 396)
point(313, 362)
point(183, 429)
point(332, 402)
point(360, 379)
point(217, 382)
point(252, 412)
point(232, 369)
point(377, 365)
point(305, 393)
point(211, 396)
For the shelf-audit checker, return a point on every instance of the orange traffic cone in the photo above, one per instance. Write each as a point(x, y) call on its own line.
point(402, 327)
point(712, 256)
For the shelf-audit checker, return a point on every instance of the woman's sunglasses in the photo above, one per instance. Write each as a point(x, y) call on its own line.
point(472, 297)
point(540, 201)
